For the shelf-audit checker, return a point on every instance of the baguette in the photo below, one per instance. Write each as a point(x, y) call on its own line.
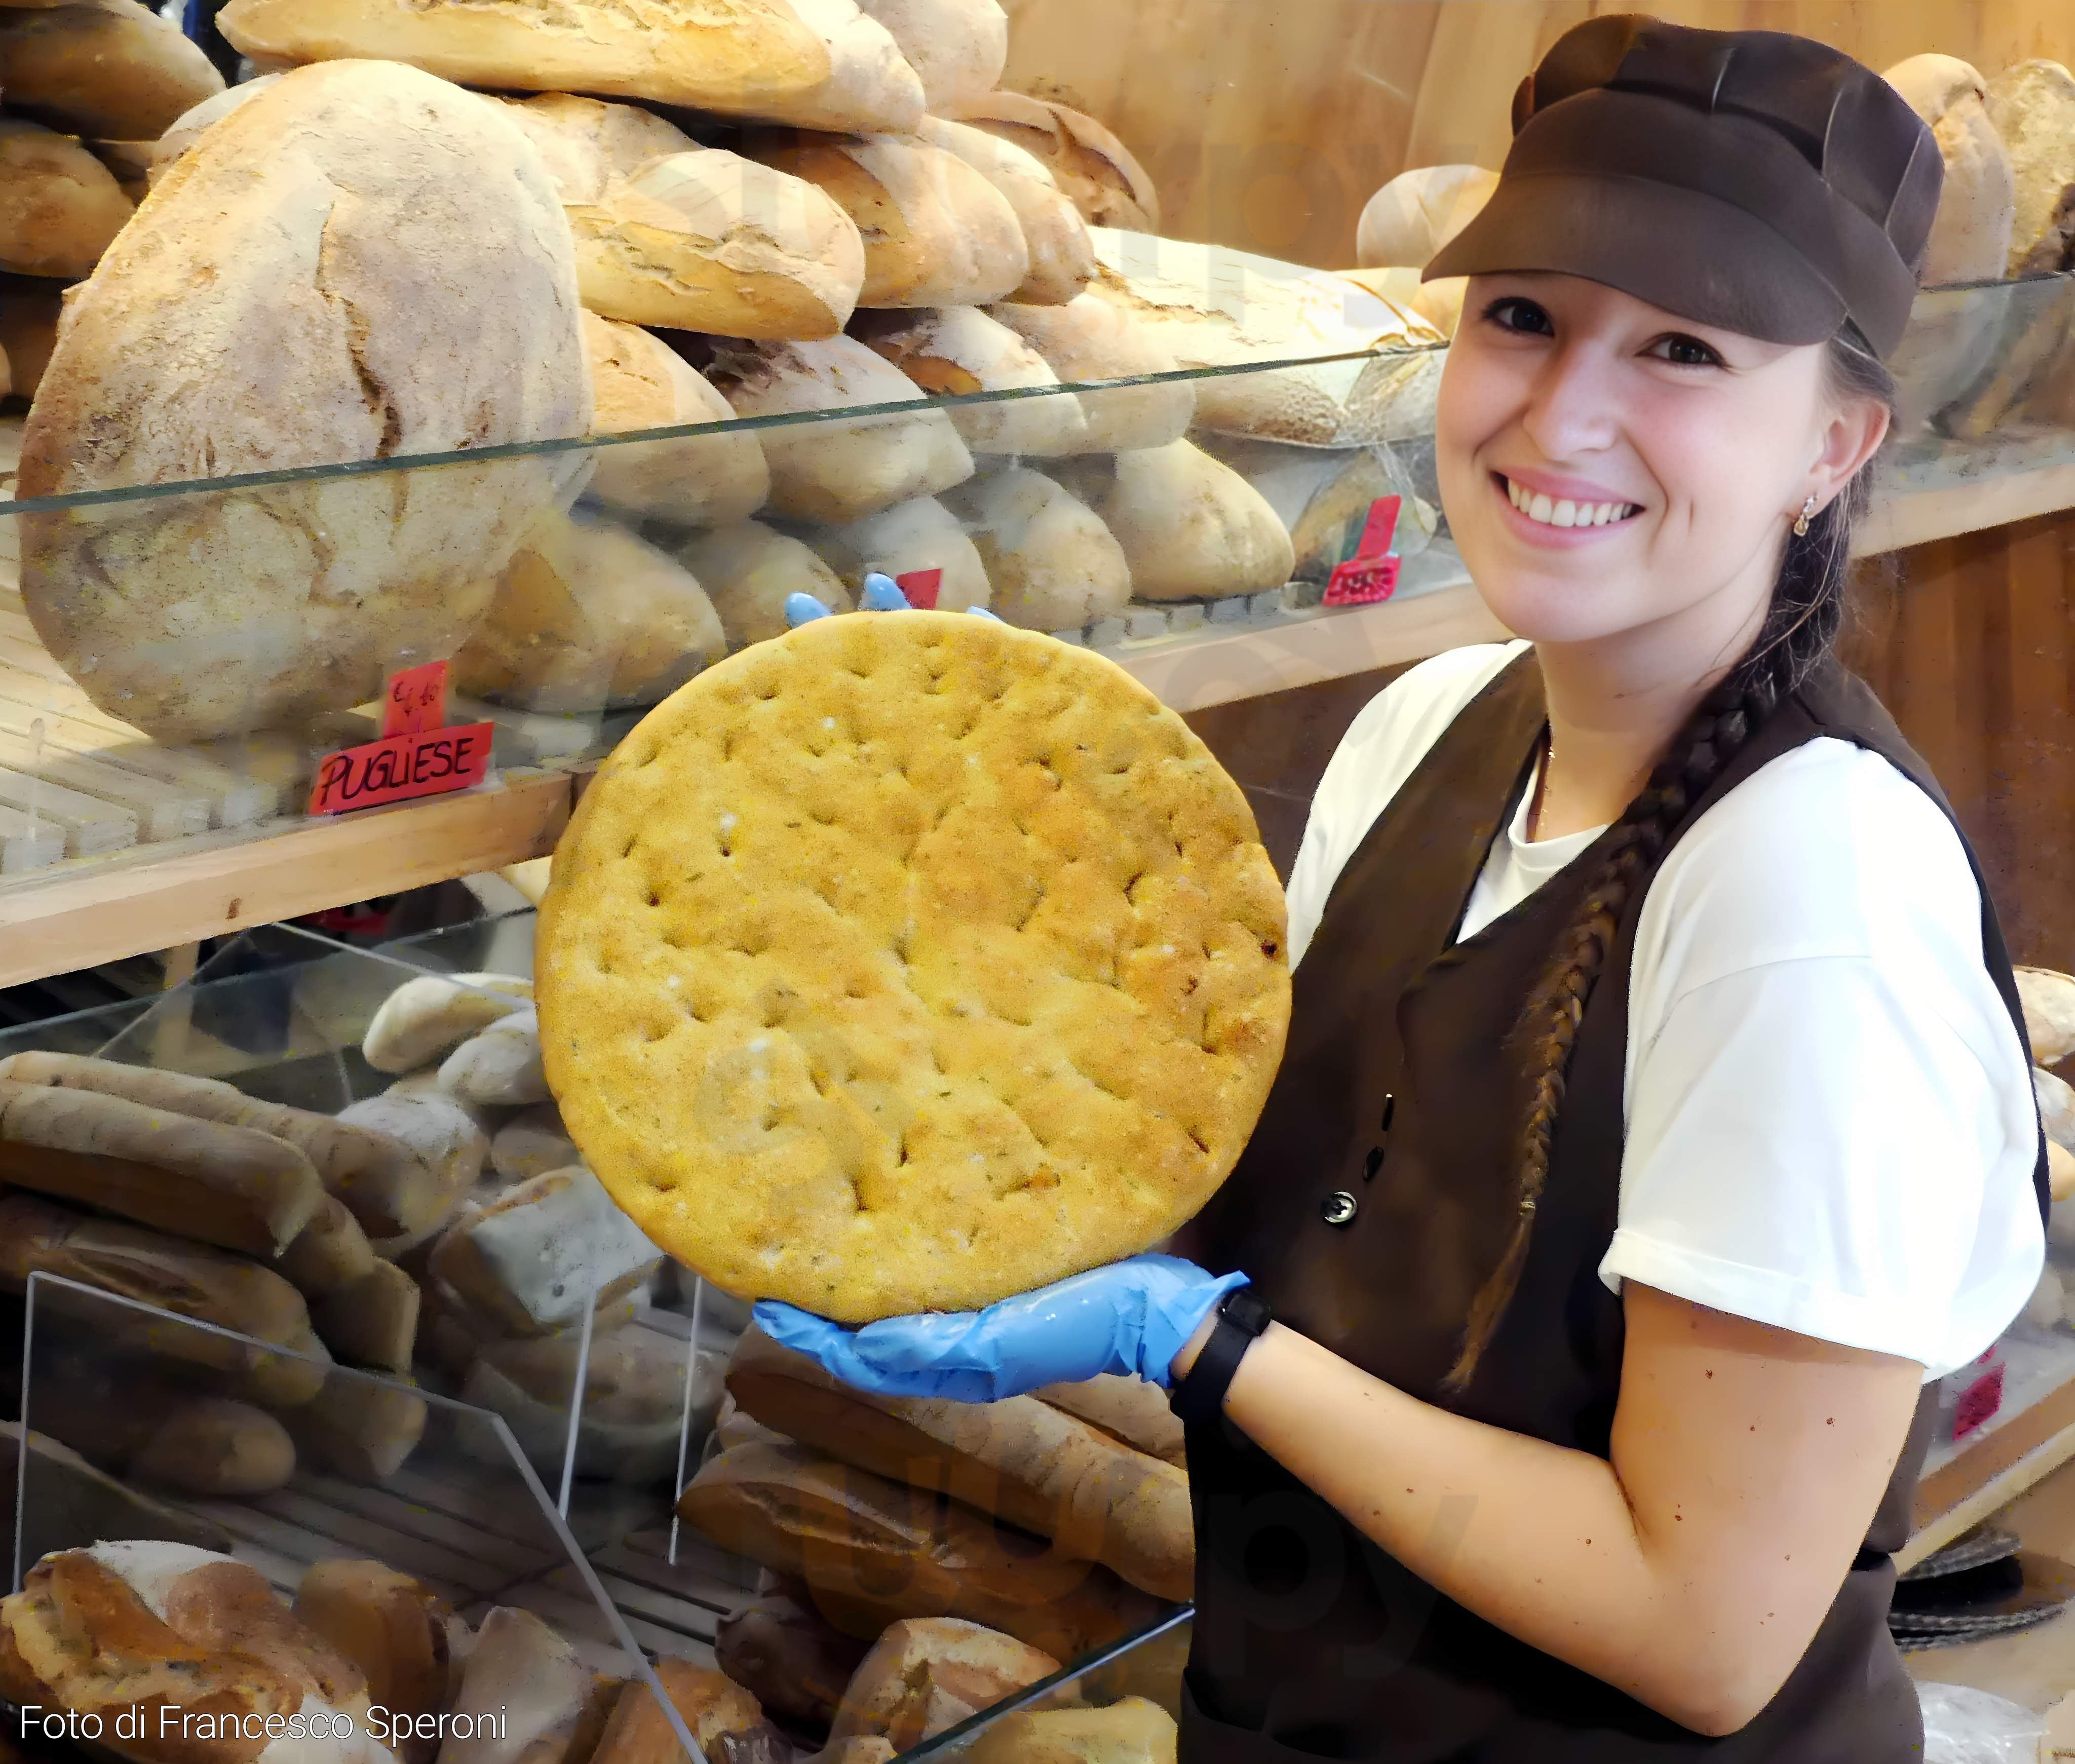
point(424, 1019)
point(1021, 1461)
point(1126, 1409)
point(216, 1446)
point(330, 1251)
point(375, 1176)
point(903, 1550)
point(1132, 1732)
point(447, 1147)
point(928, 1674)
point(231, 1186)
point(536, 1259)
point(372, 1321)
point(790, 1657)
point(362, 1429)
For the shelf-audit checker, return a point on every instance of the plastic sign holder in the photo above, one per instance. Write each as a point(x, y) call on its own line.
point(417, 755)
point(1371, 574)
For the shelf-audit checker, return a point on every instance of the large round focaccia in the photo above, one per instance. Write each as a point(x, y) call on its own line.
point(909, 961)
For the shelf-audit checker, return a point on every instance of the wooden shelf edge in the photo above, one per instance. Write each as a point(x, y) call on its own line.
point(1991, 1473)
point(1918, 516)
point(104, 913)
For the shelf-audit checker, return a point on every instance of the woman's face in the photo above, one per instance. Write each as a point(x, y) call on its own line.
point(1607, 467)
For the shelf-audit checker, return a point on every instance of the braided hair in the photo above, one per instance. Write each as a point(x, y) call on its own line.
point(1800, 629)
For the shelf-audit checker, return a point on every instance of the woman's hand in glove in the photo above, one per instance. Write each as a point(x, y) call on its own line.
point(1130, 1316)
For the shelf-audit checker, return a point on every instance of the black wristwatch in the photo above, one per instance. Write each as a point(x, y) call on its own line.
point(1243, 1315)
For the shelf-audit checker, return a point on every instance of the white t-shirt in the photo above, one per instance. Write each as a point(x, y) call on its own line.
point(1830, 1123)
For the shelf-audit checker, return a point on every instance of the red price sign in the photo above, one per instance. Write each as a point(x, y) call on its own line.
point(920, 586)
point(423, 763)
point(416, 699)
point(1371, 574)
point(1381, 527)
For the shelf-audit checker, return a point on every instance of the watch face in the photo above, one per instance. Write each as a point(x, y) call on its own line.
point(1247, 1309)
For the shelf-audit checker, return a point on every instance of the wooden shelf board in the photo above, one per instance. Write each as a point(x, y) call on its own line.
point(1991, 1473)
point(73, 918)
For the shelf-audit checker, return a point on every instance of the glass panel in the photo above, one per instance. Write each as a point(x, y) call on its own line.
point(321, 1540)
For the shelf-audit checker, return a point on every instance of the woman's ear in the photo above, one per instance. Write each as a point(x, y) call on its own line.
point(1851, 437)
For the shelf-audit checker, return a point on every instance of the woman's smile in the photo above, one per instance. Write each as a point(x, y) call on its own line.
point(1560, 511)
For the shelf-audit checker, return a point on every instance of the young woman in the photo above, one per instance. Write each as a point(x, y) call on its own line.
point(1656, 1121)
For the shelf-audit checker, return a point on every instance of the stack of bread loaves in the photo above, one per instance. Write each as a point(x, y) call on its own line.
point(925, 1559)
point(530, 1249)
point(275, 1223)
point(190, 1643)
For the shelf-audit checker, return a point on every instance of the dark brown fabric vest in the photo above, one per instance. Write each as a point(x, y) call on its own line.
point(1402, 1087)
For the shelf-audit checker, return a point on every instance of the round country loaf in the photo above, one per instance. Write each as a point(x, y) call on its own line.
point(747, 572)
point(956, 351)
point(1050, 562)
point(362, 263)
point(957, 47)
point(1096, 170)
point(1970, 236)
point(1412, 217)
point(909, 962)
point(112, 70)
point(1191, 527)
point(1062, 256)
point(2032, 108)
point(60, 208)
point(920, 534)
point(735, 57)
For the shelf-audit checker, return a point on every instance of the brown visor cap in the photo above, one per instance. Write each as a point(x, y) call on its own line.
point(1745, 178)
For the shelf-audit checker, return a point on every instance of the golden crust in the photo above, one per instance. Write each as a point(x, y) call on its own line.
point(906, 964)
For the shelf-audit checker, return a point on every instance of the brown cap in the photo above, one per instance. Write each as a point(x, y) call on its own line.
point(1748, 179)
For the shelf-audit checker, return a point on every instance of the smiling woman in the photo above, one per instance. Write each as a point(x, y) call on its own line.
point(1572, 1403)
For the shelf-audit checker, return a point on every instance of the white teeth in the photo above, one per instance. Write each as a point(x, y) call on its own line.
point(1565, 513)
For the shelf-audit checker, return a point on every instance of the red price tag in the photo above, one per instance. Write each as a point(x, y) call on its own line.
point(1978, 1403)
point(416, 699)
point(1381, 527)
point(1361, 582)
point(920, 586)
point(423, 763)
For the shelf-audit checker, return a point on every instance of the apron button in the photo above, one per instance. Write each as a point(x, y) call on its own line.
point(1340, 1208)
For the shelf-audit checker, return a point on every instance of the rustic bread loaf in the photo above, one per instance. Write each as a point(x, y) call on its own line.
point(229, 1185)
point(723, 1719)
point(1020, 1460)
point(28, 327)
point(871, 89)
point(1132, 1731)
point(1126, 1409)
point(639, 382)
point(187, 128)
point(531, 1144)
point(936, 232)
point(111, 70)
point(388, 272)
point(1062, 257)
point(542, 1254)
point(790, 1657)
point(1412, 217)
point(735, 59)
point(634, 1399)
point(215, 1447)
point(587, 618)
point(1050, 562)
point(500, 1068)
point(398, 1631)
point(747, 571)
point(957, 351)
point(2049, 999)
point(1208, 306)
point(1089, 339)
point(60, 206)
point(845, 468)
point(529, 1684)
point(905, 1551)
point(669, 233)
point(921, 534)
point(425, 1019)
point(1094, 169)
point(957, 47)
point(2032, 107)
point(371, 1321)
point(147, 1627)
point(928, 1674)
point(1192, 528)
point(1970, 237)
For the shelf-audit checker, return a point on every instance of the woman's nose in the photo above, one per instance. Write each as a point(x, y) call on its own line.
point(1570, 406)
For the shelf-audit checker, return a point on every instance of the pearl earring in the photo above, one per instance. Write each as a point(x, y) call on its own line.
point(1808, 514)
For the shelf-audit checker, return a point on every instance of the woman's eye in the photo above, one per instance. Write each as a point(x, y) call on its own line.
point(1684, 351)
point(1513, 313)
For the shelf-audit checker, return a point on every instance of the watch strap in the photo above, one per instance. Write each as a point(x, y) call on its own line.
point(1242, 1316)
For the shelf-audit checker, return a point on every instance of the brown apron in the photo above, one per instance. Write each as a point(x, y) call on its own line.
point(1400, 1088)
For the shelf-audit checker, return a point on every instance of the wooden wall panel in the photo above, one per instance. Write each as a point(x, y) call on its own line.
point(1267, 124)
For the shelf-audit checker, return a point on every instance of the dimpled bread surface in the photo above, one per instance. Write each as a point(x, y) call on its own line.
point(907, 962)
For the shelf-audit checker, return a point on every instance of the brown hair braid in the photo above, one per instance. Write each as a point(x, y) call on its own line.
point(1800, 629)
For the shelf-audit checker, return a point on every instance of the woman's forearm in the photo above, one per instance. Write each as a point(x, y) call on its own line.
point(1690, 1571)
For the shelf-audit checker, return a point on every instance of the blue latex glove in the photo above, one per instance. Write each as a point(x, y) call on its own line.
point(882, 593)
point(800, 608)
point(1128, 1317)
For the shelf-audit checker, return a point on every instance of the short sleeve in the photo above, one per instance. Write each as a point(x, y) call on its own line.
point(1830, 1121)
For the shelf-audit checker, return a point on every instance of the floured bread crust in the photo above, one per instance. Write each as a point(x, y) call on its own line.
point(906, 964)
